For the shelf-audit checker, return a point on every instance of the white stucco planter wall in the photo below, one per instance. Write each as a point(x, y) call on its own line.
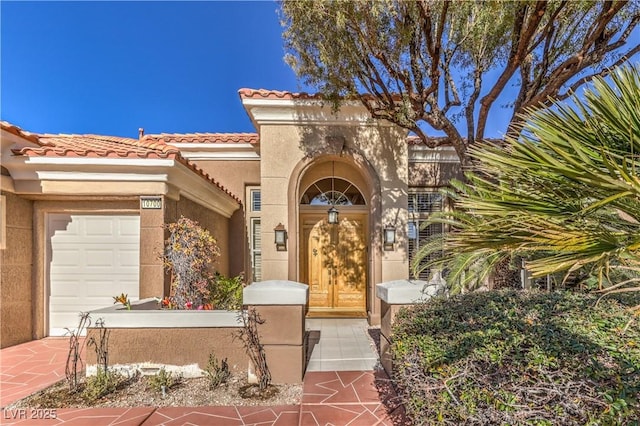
point(145, 314)
point(407, 292)
point(276, 292)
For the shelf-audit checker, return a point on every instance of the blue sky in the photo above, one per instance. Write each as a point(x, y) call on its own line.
point(112, 67)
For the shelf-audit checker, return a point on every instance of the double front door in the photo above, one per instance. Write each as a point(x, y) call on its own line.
point(334, 259)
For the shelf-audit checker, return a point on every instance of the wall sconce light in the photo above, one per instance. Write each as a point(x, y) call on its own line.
point(333, 215)
point(389, 237)
point(280, 237)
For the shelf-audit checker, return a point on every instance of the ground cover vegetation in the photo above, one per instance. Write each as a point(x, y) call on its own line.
point(509, 357)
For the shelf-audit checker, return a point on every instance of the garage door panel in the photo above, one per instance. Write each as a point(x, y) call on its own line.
point(93, 258)
point(97, 258)
point(65, 258)
point(130, 227)
point(69, 288)
point(100, 227)
point(128, 258)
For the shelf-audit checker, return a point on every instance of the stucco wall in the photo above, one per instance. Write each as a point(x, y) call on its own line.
point(233, 174)
point(236, 175)
point(433, 174)
point(380, 155)
point(174, 346)
point(16, 262)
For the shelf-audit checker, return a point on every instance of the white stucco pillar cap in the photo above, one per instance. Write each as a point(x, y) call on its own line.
point(407, 292)
point(275, 292)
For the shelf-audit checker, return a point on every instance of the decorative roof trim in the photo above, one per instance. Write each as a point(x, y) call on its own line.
point(440, 154)
point(204, 138)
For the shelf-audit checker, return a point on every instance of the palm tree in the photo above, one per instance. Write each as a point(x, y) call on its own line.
point(564, 194)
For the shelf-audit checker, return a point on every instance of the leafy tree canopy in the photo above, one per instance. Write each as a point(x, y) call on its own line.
point(427, 64)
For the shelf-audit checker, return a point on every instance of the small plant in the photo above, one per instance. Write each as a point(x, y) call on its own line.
point(74, 361)
point(217, 372)
point(163, 380)
point(103, 383)
point(101, 345)
point(124, 299)
point(250, 338)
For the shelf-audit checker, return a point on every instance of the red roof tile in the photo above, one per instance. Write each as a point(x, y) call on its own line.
point(109, 147)
point(13, 129)
point(170, 138)
point(96, 146)
point(278, 94)
point(275, 94)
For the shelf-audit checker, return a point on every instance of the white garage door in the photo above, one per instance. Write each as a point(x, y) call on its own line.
point(92, 259)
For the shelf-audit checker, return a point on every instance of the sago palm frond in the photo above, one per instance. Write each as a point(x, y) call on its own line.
point(565, 194)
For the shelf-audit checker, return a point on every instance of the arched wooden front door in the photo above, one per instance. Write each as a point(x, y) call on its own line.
point(335, 263)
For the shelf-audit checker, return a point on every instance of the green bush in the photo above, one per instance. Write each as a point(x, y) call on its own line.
point(506, 357)
point(163, 380)
point(226, 292)
point(102, 384)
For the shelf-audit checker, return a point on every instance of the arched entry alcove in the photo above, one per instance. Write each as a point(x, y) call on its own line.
point(335, 259)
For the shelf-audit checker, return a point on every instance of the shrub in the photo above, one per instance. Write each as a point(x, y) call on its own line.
point(217, 372)
point(189, 254)
point(102, 384)
point(163, 380)
point(226, 292)
point(506, 357)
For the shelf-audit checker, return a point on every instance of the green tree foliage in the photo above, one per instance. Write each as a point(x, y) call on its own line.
point(418, 63)
point(565, 194)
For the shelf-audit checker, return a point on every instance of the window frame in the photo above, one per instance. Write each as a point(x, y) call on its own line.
point(415, 219)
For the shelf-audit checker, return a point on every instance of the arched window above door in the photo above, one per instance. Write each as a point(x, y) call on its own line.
point(332, 192)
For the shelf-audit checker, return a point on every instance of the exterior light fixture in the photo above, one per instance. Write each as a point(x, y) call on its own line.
point(333, 215)
point(333, 212)
point(280, 237)
point(389, 237)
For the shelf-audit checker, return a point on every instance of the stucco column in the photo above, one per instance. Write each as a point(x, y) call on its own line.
point(395, 295)
point(282, 305)
point(153, 280)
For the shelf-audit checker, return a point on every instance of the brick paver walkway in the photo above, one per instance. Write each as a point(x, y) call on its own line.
point(329, 398)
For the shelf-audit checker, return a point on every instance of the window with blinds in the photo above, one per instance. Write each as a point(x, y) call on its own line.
point(421, 205)
point(256, 250)
point(256, 202)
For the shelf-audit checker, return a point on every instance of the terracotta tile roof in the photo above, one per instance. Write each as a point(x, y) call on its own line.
point(170, 138)
point(107, 147)
point(96, 146)
point(13, 129)
point(279, 94)
point(275, 94)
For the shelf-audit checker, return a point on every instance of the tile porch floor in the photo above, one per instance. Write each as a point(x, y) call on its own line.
point(341, 387)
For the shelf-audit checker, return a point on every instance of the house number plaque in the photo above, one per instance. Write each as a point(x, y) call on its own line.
point(150, 202)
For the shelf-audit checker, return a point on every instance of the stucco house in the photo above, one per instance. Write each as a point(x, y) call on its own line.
point(83, 215)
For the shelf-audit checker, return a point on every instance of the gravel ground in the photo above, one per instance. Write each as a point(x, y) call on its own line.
point(136, 393)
